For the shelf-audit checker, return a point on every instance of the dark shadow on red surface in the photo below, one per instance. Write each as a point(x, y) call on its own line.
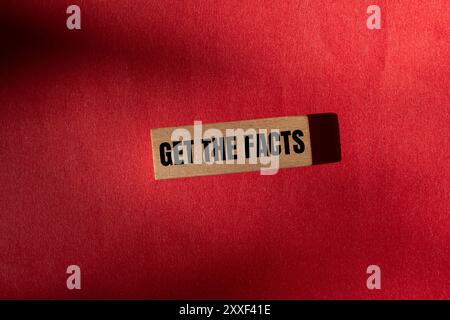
point(324, 135)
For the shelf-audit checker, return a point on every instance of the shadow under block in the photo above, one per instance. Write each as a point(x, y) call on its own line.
point(248, 145)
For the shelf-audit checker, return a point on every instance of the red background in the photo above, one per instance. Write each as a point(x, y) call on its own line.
point(76, 175)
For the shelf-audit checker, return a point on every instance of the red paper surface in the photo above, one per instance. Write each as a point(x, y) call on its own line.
point(76, 175)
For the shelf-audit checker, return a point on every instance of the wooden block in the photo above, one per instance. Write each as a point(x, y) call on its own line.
point(248, 145)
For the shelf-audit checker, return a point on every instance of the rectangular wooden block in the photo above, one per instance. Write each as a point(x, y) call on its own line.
point(250, 145)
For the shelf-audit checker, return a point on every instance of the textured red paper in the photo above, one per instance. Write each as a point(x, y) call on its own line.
point(76, 175)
